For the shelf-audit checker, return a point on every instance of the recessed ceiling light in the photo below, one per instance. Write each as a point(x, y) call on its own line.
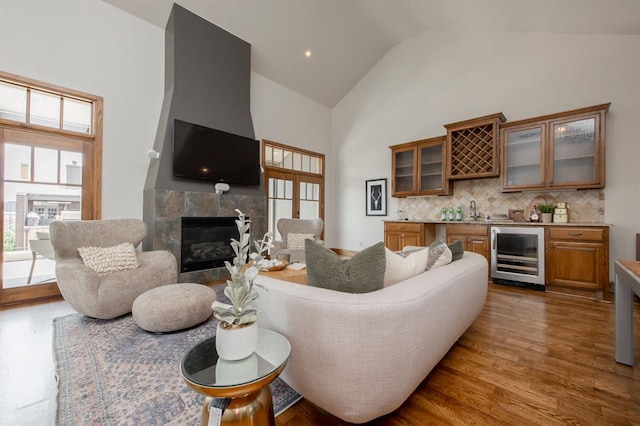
point(307, 53)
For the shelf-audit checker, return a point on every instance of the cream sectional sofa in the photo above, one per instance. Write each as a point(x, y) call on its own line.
point(360, 356)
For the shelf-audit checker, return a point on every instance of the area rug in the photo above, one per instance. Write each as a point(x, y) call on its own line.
point(111, 372)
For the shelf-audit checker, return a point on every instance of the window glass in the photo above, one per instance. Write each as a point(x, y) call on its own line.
point(297, 161)
point(268, 155)
point(45, 109)
point(77, 115)
point(288, 189)
point(287, 163)
point(315, 165)
point(13, 102)
point(306, 161)
point(71, 171)
point(17, 162)
point(45, 165)
point(277, 157)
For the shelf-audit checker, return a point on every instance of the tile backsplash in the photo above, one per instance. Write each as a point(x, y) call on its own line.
point(585, 205)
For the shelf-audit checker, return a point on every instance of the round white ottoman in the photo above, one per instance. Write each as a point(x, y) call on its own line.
point(173, 307)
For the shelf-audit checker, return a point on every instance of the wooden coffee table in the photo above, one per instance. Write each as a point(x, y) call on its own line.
point(286, 274)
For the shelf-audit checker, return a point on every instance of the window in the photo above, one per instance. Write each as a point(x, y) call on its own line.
point(50, 150)
point(26, 104)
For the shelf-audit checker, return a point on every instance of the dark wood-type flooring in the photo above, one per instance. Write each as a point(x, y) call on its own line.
point(531, 358)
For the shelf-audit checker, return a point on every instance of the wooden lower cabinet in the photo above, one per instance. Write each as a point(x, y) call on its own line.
point(400, 234)
point(577, 261)
point(475, 238)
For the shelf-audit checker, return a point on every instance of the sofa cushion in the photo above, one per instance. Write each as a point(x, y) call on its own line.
point(362, 273)
point(105, 260)
point(439, 255)
point(399, 268)
point(296, 241)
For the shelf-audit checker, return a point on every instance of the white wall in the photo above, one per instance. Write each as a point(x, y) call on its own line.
point(284, 116)
point(91, 46)
point(439, 78)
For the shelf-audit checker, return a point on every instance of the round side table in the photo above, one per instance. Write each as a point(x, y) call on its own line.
point(245, 382)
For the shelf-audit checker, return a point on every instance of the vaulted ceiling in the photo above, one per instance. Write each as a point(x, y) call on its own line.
point(347, 37)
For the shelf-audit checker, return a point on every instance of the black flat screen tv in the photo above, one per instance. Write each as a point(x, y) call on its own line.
point(208, 154)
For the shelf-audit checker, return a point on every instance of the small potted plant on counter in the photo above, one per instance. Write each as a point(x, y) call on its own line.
point(547, 211)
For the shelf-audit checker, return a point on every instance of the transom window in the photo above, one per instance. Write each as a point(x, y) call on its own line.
point(45, 108)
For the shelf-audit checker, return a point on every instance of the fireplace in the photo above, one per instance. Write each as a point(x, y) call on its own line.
point(206, 242)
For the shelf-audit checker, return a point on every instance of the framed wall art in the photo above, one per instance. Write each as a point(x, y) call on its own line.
point(376, 193)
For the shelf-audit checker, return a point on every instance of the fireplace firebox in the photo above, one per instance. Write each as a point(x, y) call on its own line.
point(206, 242)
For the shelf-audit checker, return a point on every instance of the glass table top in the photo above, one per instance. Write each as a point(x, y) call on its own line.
point(202, 366)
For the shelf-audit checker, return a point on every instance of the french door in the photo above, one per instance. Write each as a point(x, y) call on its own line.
point(45, 177)
point(293, 196)
point(294, 181)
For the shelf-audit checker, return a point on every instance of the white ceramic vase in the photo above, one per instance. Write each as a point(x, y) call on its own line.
point(236, 343)
point(547, 217)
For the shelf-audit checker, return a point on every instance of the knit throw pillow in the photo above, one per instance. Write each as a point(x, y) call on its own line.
point(296, 241)
point(362, 273)
point(439, 255)
point(105, 260)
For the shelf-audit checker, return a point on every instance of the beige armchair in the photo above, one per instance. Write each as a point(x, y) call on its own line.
point(296, 226)
point(106, 296)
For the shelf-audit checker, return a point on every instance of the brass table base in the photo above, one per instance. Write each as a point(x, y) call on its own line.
point(255, 408)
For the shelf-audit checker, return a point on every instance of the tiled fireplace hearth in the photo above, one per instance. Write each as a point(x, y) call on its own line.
point(171, 206)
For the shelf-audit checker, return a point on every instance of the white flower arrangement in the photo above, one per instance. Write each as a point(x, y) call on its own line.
point(239, 289)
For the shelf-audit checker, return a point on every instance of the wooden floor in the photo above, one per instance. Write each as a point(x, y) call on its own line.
point(531, 358)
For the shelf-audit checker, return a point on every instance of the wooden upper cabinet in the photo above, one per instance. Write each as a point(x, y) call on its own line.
point(557, 151)
point(473, 147)
point(418, 168)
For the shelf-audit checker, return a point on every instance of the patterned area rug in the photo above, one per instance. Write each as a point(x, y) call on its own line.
point(111, 372)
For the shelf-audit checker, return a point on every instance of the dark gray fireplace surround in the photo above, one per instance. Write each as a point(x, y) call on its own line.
point(207, 82)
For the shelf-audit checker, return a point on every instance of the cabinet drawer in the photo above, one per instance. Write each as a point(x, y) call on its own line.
point(464, 229)
point(402, 227)
point(576, 234)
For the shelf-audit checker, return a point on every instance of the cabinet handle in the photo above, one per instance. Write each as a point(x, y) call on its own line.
point(575, 234)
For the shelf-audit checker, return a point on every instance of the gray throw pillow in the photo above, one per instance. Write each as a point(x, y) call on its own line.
point(362, 273)
point(457, 250)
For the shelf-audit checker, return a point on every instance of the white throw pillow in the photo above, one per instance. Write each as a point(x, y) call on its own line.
point(400, 268)
point(439, 255)
point(105, 260)
point(296, 241)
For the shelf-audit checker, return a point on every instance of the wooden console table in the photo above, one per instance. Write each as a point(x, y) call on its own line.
point(627, 283)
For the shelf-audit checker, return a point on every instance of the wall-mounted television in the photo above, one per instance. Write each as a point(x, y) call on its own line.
point(209, 154)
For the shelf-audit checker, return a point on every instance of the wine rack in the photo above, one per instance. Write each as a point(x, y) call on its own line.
point(472, 147)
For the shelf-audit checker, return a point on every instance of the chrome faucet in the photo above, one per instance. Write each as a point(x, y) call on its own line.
point(473, 214)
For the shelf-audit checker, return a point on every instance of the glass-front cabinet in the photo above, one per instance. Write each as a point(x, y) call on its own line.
point(403, 167)
point(418, 168)
point(558, 151)
point(524, 148)
point(574, 152)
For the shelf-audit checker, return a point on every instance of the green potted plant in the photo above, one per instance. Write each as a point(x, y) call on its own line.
point(547, 211)
point(237, 331)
